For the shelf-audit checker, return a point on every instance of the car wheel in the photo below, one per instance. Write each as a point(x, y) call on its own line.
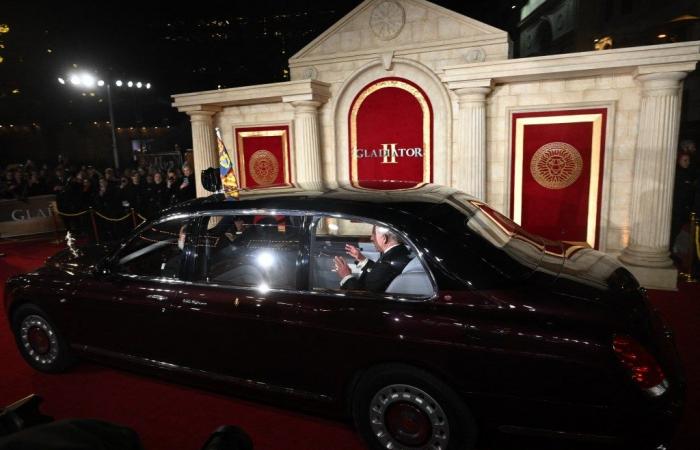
point(398, 407)
point(39, 341)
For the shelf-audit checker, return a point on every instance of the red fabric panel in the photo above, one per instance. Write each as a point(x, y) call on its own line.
point(559, 214)
point(248, 146)
point(387, 116)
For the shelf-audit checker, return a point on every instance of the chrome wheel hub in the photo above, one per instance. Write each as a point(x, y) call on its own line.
point(403, 416)
point(38, 339)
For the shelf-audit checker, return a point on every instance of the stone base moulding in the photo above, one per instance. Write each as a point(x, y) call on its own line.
point(655, 278)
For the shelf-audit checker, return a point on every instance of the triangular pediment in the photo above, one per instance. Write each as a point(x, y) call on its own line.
point(388, 24)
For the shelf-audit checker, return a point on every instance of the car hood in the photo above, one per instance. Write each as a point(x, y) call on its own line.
point(80, 258)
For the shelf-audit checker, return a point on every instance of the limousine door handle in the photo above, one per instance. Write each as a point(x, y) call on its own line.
point(160, 298)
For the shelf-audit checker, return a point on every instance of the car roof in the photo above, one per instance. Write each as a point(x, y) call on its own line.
point(414, 201)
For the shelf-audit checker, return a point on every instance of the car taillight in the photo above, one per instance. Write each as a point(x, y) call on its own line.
point(643, 368)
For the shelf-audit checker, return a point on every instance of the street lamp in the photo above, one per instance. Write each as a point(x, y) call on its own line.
point(85, 81)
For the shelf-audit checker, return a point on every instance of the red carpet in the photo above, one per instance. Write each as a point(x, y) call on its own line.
point(170, 416)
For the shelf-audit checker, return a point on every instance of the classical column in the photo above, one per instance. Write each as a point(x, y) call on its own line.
point(307, 144)
point(203, 146)
point(469, 167)
point(654, 169)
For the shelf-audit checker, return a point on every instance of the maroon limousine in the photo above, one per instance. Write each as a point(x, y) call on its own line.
point(427, 316)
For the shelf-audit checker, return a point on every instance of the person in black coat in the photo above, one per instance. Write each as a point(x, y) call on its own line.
point(375, 276)
point(683, 193)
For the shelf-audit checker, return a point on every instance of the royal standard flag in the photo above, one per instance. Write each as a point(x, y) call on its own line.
point(228, 176)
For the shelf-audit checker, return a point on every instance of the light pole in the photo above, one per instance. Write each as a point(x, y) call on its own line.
point(115, 152)
point(86, 81)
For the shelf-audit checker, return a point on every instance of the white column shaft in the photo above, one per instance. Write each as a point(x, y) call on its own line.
point(307, 144)
point(654, 170)
point(203, 146)
point(469, 169)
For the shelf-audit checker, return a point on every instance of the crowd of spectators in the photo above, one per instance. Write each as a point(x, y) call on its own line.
point(112, 193)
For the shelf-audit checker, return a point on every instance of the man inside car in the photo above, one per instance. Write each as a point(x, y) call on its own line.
point(374, 276)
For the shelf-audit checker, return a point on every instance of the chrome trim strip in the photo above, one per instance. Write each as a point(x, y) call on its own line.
point(245, 383)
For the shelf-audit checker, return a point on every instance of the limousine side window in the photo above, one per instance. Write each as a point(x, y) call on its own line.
point(330, 235)
point(157, 251)
point(249, 250)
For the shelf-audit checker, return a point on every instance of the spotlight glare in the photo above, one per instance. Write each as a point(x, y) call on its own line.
point(101, 82)
point(130, 84)
point(138, 84)
point(148, 85)
point(61, 80)
point(87, 80)
point(75, 79)
point(119, 83)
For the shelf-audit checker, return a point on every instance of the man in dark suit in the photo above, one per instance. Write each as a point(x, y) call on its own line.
point(375, 276)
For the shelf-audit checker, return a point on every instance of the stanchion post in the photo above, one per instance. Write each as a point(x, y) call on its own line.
point(94, 225)
point(133, 217)
point(54, 213)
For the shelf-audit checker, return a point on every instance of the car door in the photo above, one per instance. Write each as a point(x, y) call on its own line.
point(122, 310)
point(227, 314)
point(331, 332)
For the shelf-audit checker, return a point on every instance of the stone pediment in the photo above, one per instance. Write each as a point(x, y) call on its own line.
point(386, 25)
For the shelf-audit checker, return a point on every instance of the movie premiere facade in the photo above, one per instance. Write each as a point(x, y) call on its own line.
point(577, 147)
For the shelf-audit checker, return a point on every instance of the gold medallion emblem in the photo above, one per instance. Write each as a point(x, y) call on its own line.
point(556, 165)
point(263, 167)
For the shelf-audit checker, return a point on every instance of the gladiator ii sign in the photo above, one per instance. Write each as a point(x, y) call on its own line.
point(32, 215)
point(390, 135)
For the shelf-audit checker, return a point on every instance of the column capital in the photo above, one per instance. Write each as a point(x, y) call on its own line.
point(201, 115)
point(661, 83)
point(472, 94)
point(305, 105)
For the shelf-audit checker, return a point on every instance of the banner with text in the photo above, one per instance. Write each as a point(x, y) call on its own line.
point(390, 125)
point(27, 217)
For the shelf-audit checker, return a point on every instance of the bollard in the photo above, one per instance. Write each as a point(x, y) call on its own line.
point(94, 226)
point(54, 212)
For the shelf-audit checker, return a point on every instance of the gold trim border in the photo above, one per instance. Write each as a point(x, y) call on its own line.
point(427, 135)
point(594, 182)
point(240, 150)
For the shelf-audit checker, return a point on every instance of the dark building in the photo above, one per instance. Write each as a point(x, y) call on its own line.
point(563, 26)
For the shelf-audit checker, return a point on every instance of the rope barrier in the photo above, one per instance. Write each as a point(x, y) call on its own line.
point(126, 216)
point(71, 214)
point(111, 219)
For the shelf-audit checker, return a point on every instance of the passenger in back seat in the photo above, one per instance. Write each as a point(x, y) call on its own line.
point(375, 276)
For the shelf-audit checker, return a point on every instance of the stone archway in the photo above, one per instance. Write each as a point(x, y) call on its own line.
point(434, 90)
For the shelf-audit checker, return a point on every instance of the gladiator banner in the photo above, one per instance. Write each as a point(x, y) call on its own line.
point(32, 215)
point(263, 156)
point(557, 172)
point(390, 125)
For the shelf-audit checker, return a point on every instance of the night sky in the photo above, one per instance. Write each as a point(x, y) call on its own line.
point(177, 49)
